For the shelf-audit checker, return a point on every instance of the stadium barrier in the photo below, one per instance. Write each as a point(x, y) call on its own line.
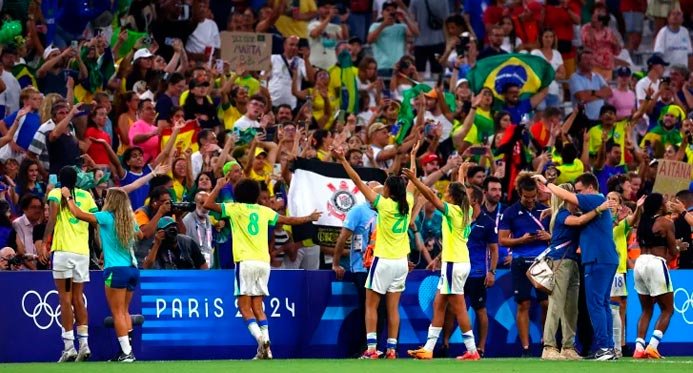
point(193, 315)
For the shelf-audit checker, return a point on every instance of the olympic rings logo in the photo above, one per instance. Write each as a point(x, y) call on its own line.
point(40, 310)
point(687, 304)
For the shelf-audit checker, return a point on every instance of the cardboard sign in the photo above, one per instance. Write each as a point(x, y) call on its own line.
point(251, 49)
point(672, 177)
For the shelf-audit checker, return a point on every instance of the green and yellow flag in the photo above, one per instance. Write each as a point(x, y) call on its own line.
point(530, 73)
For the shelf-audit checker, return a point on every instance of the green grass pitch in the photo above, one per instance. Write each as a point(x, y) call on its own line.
point(402, 365)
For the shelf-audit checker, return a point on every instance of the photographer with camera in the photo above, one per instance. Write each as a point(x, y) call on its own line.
point(9, 261)
point(172, 250)
point(460, 47)
point(148, 217)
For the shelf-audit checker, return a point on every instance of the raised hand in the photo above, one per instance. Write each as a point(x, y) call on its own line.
point(65, 192)
point(408, 173)
point(315, 215)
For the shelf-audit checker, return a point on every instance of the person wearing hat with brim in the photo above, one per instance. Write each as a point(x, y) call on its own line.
point(54, 65)
point(622, 96)
point(379, 138)
point(655, 71)
point(172, 250)
point(139, 69)
point(261, 158)
point(666, 132)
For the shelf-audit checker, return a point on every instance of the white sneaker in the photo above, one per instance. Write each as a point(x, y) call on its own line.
point(570, 354)
point(84, 353)
point(68, 355)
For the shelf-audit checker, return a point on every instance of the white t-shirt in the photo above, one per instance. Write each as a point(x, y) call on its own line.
point(206, 34)
point(506, 46)
point(280, 79)
point(196, 160)
point(555, 62)
point(444, 122)
point(642, 85)
point(322, 48)
point(675, 47)
point(383, 165)
point(243, 123)
point(10, 96)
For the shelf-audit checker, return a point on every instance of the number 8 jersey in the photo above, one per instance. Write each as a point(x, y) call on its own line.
point(392, 241)
point(250, 227)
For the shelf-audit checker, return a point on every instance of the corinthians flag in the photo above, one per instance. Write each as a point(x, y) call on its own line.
point(325, 187)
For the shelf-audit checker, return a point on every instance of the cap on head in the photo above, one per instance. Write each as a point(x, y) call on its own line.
point(142, 53)
point(656, 59)
point(377, 126)
point(165, 222)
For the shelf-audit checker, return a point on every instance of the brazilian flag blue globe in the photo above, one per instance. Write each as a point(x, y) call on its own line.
point(530, 73)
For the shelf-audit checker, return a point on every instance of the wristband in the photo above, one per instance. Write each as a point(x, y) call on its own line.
point(69, 198)
point(594, 93)
point(492, 271)
point(596, 210)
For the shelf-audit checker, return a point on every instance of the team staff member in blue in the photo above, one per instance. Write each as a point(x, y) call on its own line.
point(483, 254)
point(599, 258)
point(359, 225)
point(493, 207)
point(522, 230)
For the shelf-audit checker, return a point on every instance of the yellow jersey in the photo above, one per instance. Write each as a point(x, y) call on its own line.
point(617, 133)
point(392, 227)
point(288, 26)
point(71, 234)
point(621, 231)
point(570, 172)
point(250, 230)
point(229, 115)
point(455, 234)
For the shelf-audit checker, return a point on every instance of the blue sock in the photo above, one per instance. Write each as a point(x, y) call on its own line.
point(372, 340)
point(392, 343)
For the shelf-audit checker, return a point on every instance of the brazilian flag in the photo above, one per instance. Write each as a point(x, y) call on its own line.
point(25, 75)
point(530, 73)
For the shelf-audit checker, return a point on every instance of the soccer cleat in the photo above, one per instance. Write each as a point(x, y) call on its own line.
point(551, 353)
point(267, 352)
point(570, 354)
point(126, 358)
point(370, 354)
point(639, 354)
point(470, 356)
point(258, 353)
point(421, 354)
point(391, 354)
point(84, 353)
point(68, 355)
point(652, 353)
point(604, 354)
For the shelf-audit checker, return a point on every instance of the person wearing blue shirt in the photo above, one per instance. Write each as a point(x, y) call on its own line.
point(483, 255)
point(563, 301)
point(27, 118)
point(518, 107)
point(599, 258)
point(587, 87)
point(118, 231)
point(359, 225)
point(522, 229)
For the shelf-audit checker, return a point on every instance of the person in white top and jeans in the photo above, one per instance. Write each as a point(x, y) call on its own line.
point(280, 75)
point(674, 41)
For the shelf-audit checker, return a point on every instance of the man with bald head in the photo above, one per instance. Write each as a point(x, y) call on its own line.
point(283, 67)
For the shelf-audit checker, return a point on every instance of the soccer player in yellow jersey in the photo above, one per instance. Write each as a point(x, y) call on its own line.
point(624, 221)
point(458, 214)
point(68, 238)
point(390, 266)
point(250, 224)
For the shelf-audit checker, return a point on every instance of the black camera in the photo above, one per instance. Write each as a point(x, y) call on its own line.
point(463, 45)
point(183, 206)
point(404, 65)
point(604, 19)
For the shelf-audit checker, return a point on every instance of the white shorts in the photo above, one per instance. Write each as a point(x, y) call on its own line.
point(651, 276)
point(387, 275)
point(70, 265)
point(618, 286)
point(452, 277)
point(251, 278)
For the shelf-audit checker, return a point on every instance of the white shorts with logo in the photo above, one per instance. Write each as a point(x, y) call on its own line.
point(651, 276)
point(618, 286)
point(251, 278)
point(453, 277)
point(70, 265)
point(387, 275)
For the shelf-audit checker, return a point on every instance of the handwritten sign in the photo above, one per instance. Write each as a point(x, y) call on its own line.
point(672, 177)
point(253, 50)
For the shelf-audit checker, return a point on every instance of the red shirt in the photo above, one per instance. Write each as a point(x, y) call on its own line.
point(558, 19)
point(97, 151)
point(540, 133)
point(527, 29)
point(633, 6)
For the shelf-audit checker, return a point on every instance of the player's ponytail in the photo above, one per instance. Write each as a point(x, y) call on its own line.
point(397, 186)
point(68, 179)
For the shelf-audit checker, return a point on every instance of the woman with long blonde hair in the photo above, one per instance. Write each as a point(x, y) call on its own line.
point(563, 306)
point(118, 231)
